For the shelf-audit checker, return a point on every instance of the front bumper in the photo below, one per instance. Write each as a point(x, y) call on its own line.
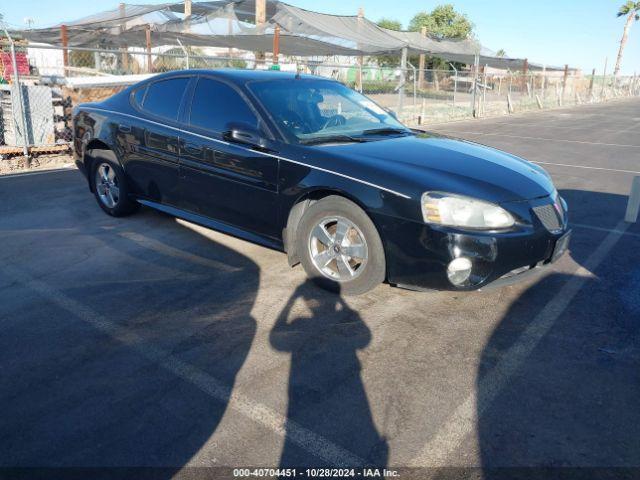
point(418, 254)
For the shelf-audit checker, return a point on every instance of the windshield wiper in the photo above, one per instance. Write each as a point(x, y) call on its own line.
point(385, 131)
point(332, 139)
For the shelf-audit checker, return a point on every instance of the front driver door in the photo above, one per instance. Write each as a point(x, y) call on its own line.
point(221, 180)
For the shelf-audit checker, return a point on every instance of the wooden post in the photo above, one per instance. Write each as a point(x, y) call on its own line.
point(149, 63)
point(593, 78)
point(564, 79)
point(187, 15)
point(261, 19)
point(359, 79)
point(422, 62)
point(276, 45)
point(65, 43)
point(229, 11)
point(125, 55)
point(604, 78)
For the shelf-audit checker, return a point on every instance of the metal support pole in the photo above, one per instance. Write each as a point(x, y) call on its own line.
point(23, 113)
point(403, 79)
point(186, 52)
point(455, 83)
point(415, 86)
point(16, 80)
point(604, 78)
point(476, 67)
point(484, 89)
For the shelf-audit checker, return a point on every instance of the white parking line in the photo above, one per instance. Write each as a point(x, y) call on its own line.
point(173, 252)
point(561, 140)
point(603, 229)
point(463, 420)
point(262, 414)
point(39, 172)
point(588, 168)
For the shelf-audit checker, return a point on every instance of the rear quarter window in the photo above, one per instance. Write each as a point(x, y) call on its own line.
point(163, 97)
point(138, 96)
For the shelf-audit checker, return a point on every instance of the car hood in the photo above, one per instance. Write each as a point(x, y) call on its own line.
point(429, 162)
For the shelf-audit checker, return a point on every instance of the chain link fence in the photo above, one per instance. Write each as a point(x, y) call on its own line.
point(36, 104)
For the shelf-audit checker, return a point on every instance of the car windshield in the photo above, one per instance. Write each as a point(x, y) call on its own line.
point(317, 111)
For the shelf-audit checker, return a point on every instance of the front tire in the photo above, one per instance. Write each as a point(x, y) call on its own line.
point(339, 247)
point(110, 185)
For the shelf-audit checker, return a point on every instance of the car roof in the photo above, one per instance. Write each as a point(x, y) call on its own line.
point(241, 76)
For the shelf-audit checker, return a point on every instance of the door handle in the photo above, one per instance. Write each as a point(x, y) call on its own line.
point(124, 128)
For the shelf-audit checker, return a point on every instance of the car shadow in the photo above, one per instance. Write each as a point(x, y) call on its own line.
point(326, 394)
point(122, 338)
point(569, 409)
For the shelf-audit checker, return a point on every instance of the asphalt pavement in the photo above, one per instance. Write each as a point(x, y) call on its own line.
point(149, 341)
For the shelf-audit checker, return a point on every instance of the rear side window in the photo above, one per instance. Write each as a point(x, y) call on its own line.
point(138, 95)
point(215, 104)
point(163, 97)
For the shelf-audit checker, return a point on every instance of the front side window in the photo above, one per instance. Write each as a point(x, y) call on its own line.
point(163, 97)
point(313, 109)
point(216, 104)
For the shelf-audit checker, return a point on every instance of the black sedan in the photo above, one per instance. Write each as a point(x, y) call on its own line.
point(306, 165)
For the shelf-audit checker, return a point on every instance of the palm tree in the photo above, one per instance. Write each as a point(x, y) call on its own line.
point(630, 10)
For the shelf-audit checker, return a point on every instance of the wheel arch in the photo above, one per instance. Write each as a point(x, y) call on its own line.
point(298, 208)
point(88, 159)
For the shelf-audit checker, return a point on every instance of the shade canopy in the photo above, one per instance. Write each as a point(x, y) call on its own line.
point(230, 24)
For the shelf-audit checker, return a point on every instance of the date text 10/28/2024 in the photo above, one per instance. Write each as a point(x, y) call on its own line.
point(315, 472)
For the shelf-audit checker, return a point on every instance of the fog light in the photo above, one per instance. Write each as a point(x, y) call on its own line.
point(459, 270)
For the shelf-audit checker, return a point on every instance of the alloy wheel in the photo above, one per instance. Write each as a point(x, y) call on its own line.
point(338, 248)
point(107, 185)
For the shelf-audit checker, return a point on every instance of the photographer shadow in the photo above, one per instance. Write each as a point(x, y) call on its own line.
point(326, 393)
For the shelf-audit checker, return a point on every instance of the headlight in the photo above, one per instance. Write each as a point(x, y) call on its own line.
point(458, 211)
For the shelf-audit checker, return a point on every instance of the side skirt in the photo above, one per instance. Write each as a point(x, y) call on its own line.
point(215, 225)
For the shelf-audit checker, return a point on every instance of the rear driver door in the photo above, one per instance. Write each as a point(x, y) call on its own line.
point(152, 144)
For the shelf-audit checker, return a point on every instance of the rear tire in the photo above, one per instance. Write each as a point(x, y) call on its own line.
point(109, 184)
point(339, 247)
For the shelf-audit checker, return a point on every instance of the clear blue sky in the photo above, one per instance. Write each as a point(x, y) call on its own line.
point(579, 32)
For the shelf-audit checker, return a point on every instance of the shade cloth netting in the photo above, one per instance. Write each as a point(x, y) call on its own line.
point(229, 23)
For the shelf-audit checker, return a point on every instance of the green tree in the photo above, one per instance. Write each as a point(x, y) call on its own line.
point(631, 11)
point(389, 60)
point(443, 22)
point(390, 24)
point(501, 53)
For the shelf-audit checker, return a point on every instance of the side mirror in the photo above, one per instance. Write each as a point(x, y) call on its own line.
point(245, 134)
point(392, 113)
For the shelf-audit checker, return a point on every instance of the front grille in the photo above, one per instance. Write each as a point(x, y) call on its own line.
point(548, 215)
